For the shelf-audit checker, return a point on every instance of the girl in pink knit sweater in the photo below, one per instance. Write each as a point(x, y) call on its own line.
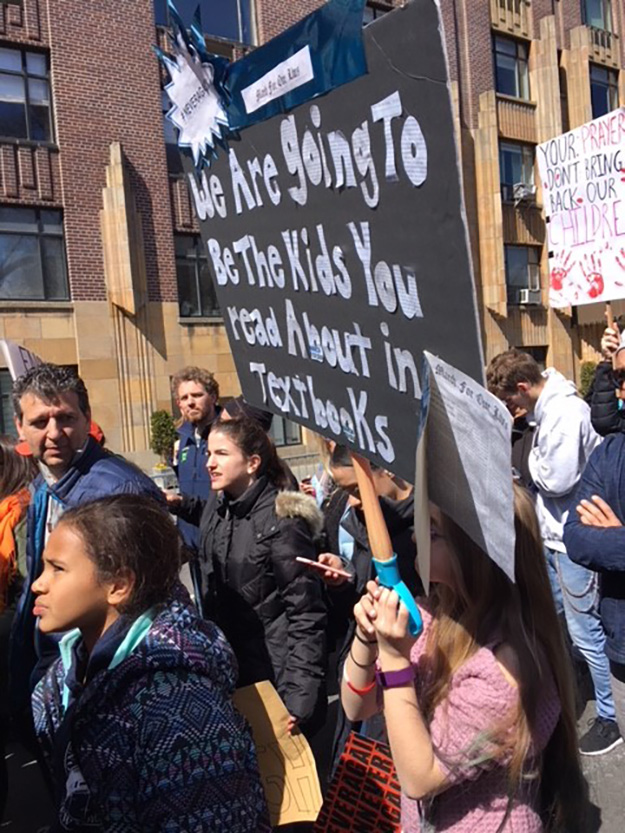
point(479, 709)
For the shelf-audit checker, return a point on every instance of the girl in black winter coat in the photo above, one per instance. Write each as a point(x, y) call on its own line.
point(270, 607)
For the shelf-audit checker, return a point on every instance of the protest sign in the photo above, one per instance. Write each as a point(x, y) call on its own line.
point(337, 241)
point(18, 359)
point(287, 766)
point(583, 178)
point(364, 796)
point(464, 464)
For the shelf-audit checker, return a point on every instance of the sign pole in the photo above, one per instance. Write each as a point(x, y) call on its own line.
point(384, 558)
point(609, 315)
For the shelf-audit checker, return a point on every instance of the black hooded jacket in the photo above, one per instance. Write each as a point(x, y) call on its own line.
point(270, 607)
point(605, 415)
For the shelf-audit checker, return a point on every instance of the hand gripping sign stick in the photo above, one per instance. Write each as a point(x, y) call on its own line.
point(384, 559)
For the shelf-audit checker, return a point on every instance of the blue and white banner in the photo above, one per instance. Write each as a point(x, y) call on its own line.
point(212, 99)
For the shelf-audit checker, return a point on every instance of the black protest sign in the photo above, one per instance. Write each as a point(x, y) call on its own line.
point(336, 238)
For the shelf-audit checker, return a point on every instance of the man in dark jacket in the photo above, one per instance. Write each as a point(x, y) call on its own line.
point(595, 537)
point(197, 392)
point(53, 417)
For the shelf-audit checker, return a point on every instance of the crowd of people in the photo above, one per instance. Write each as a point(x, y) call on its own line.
point(121, 681)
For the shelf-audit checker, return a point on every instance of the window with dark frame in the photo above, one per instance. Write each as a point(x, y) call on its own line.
point(598, 14)
point(564, 96)
point(511, 73)
point(603, 90)
point(172, 152)
point(539, 354)
point(516, 166)
point(522, 270)
point(33, 266)
point(232, 20)
point(284, 432)
point(196, 291)
point(25, 105)
point(7, 425)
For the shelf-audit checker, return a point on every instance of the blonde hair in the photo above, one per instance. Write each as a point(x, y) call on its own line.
point(485, 603)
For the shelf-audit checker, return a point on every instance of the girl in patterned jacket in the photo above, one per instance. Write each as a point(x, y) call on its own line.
point(135, 719)
point(479, 709)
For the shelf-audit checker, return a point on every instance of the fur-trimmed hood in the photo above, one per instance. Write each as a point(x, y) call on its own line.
point(299, 505)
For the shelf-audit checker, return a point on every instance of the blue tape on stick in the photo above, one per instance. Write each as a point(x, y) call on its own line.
point(388, 573)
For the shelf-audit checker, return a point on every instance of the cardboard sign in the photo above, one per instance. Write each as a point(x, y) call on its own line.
point(287, 766)
point(364, 796)
point(336, 238)
point(583, 178)
point(464, 465)
point(18, 359)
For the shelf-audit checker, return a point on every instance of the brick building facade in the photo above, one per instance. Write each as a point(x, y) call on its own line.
point(100, 262)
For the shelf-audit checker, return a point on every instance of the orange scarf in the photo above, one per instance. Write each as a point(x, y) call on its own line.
point(12, 510)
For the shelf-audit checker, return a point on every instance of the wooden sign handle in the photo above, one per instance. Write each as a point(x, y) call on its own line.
point(609, 315)
point(379, 539)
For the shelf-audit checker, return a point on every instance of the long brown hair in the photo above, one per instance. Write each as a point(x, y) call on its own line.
point(16, 471)
point(484, 603)
point(250, 438)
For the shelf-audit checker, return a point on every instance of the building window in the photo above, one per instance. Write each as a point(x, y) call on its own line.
point(196, 290)
point(603, 90)
point(539, 354)
point(25, 110)
point(598, 14)
point(32, 255)
point(7, 425)
point(511, 75)
point(564, 98)
point(373, 11)
point(516, 167)
point(522, 273)
point(174, 160)
point(284, 432)
point(229, 19)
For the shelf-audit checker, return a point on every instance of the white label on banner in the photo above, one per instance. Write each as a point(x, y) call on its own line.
point(287, 76)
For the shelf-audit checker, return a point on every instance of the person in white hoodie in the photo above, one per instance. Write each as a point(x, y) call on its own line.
point(564, 439)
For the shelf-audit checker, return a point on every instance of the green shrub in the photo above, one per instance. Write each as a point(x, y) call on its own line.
point(586, 376)
point(163, 435)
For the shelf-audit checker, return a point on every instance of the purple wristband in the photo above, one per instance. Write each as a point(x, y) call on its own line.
point(396, 679)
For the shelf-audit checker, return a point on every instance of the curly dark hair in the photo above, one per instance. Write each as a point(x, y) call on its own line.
point(46, 381)
point(135, 533)
point(196, 374)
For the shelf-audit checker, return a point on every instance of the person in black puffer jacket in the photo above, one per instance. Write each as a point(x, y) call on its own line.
point(606, 413)
point(271, 608)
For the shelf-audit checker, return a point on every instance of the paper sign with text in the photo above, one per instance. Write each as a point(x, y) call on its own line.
point(18, 359)
point(337, 241)
point(287, 766)
point(466, 465)
point(583, 179)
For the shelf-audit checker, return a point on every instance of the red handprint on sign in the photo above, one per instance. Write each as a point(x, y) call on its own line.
point(591, 270)
point(560, 270)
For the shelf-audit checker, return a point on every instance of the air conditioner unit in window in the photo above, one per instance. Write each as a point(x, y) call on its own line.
point(528, 297)
point(521, 192)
